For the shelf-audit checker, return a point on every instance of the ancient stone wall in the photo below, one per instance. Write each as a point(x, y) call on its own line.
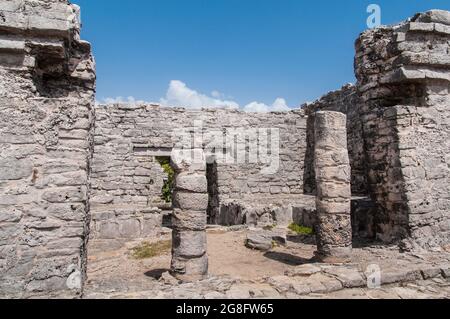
point(127, 179)
point(403, 79)
point(47, 84)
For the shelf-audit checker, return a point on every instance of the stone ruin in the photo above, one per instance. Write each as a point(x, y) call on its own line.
point(368, 162)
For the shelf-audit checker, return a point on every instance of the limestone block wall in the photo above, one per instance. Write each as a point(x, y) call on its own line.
point(47, 84)
point(403, 79)
point(127, 179)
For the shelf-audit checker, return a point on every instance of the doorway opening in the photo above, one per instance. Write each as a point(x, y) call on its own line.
point(167, 189)
point(213, 192)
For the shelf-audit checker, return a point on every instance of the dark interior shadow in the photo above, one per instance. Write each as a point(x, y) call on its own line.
point(156, 273)
point(309, 176)
point(288, 259)
point(359, 242)
point(213, 191)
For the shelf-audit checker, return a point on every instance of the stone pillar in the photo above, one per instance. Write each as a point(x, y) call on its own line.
point(190, 203)
point(333, 200)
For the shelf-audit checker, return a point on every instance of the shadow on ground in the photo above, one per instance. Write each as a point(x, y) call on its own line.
point(302, 239)
point(287, 259)
point(156, 273)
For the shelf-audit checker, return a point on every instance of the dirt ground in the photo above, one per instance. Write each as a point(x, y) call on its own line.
point(227, 256)
point(238, 272)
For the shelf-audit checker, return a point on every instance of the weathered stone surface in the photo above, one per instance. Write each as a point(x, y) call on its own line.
point(300, 286)
point(191, 183)
point(400, 137)
point(438, 16)
point(189, 257)
point(47, 88)
point(334, 230)
point(189, 220)
point(247, 291)
point(190, 201)
point(188, 160)
point(393, 275)
point(281, 283)
point(129, 228)
point(430, 272)
point(349, 277)
point(279, 236)
point(445, 271)
point(191, 269)
point(168, 279)
point(14, 169)
point(189, 244)
point(304, 270)
point(260, 240)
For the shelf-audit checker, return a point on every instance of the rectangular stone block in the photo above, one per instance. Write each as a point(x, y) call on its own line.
point(335, 230)
point(437, 16)
point(333, 207)
point(65, 194)
point(420, 26)
point(189, 220)
point(190, 269)
point(441, 28)
point(334, 174)
point(334, 190)
point(14, 169)
point(108, 230)
point(192, 183)
point(188, 244)
point(12, 45)
point(49, 26)
point(190, 201)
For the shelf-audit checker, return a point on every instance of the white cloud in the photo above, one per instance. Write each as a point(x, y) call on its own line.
point(179, 95)
point(256, 107)
point(278, 106)
point(120, 100)
point(217, 94)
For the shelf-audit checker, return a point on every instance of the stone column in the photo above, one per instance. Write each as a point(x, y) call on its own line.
point(190, 203)
point(333, 200)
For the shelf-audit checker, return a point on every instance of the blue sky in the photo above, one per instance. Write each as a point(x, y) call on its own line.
point(234, 50)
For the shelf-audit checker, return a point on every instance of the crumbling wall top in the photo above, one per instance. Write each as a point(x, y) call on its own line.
point(412, 51)
point(40, 17)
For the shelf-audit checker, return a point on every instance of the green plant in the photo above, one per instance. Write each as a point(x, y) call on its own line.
point(301, 230)
point(148, 250)
point(167, 189)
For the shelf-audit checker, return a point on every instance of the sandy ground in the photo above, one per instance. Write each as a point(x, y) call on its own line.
point(227, 255)
point(118, 274)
